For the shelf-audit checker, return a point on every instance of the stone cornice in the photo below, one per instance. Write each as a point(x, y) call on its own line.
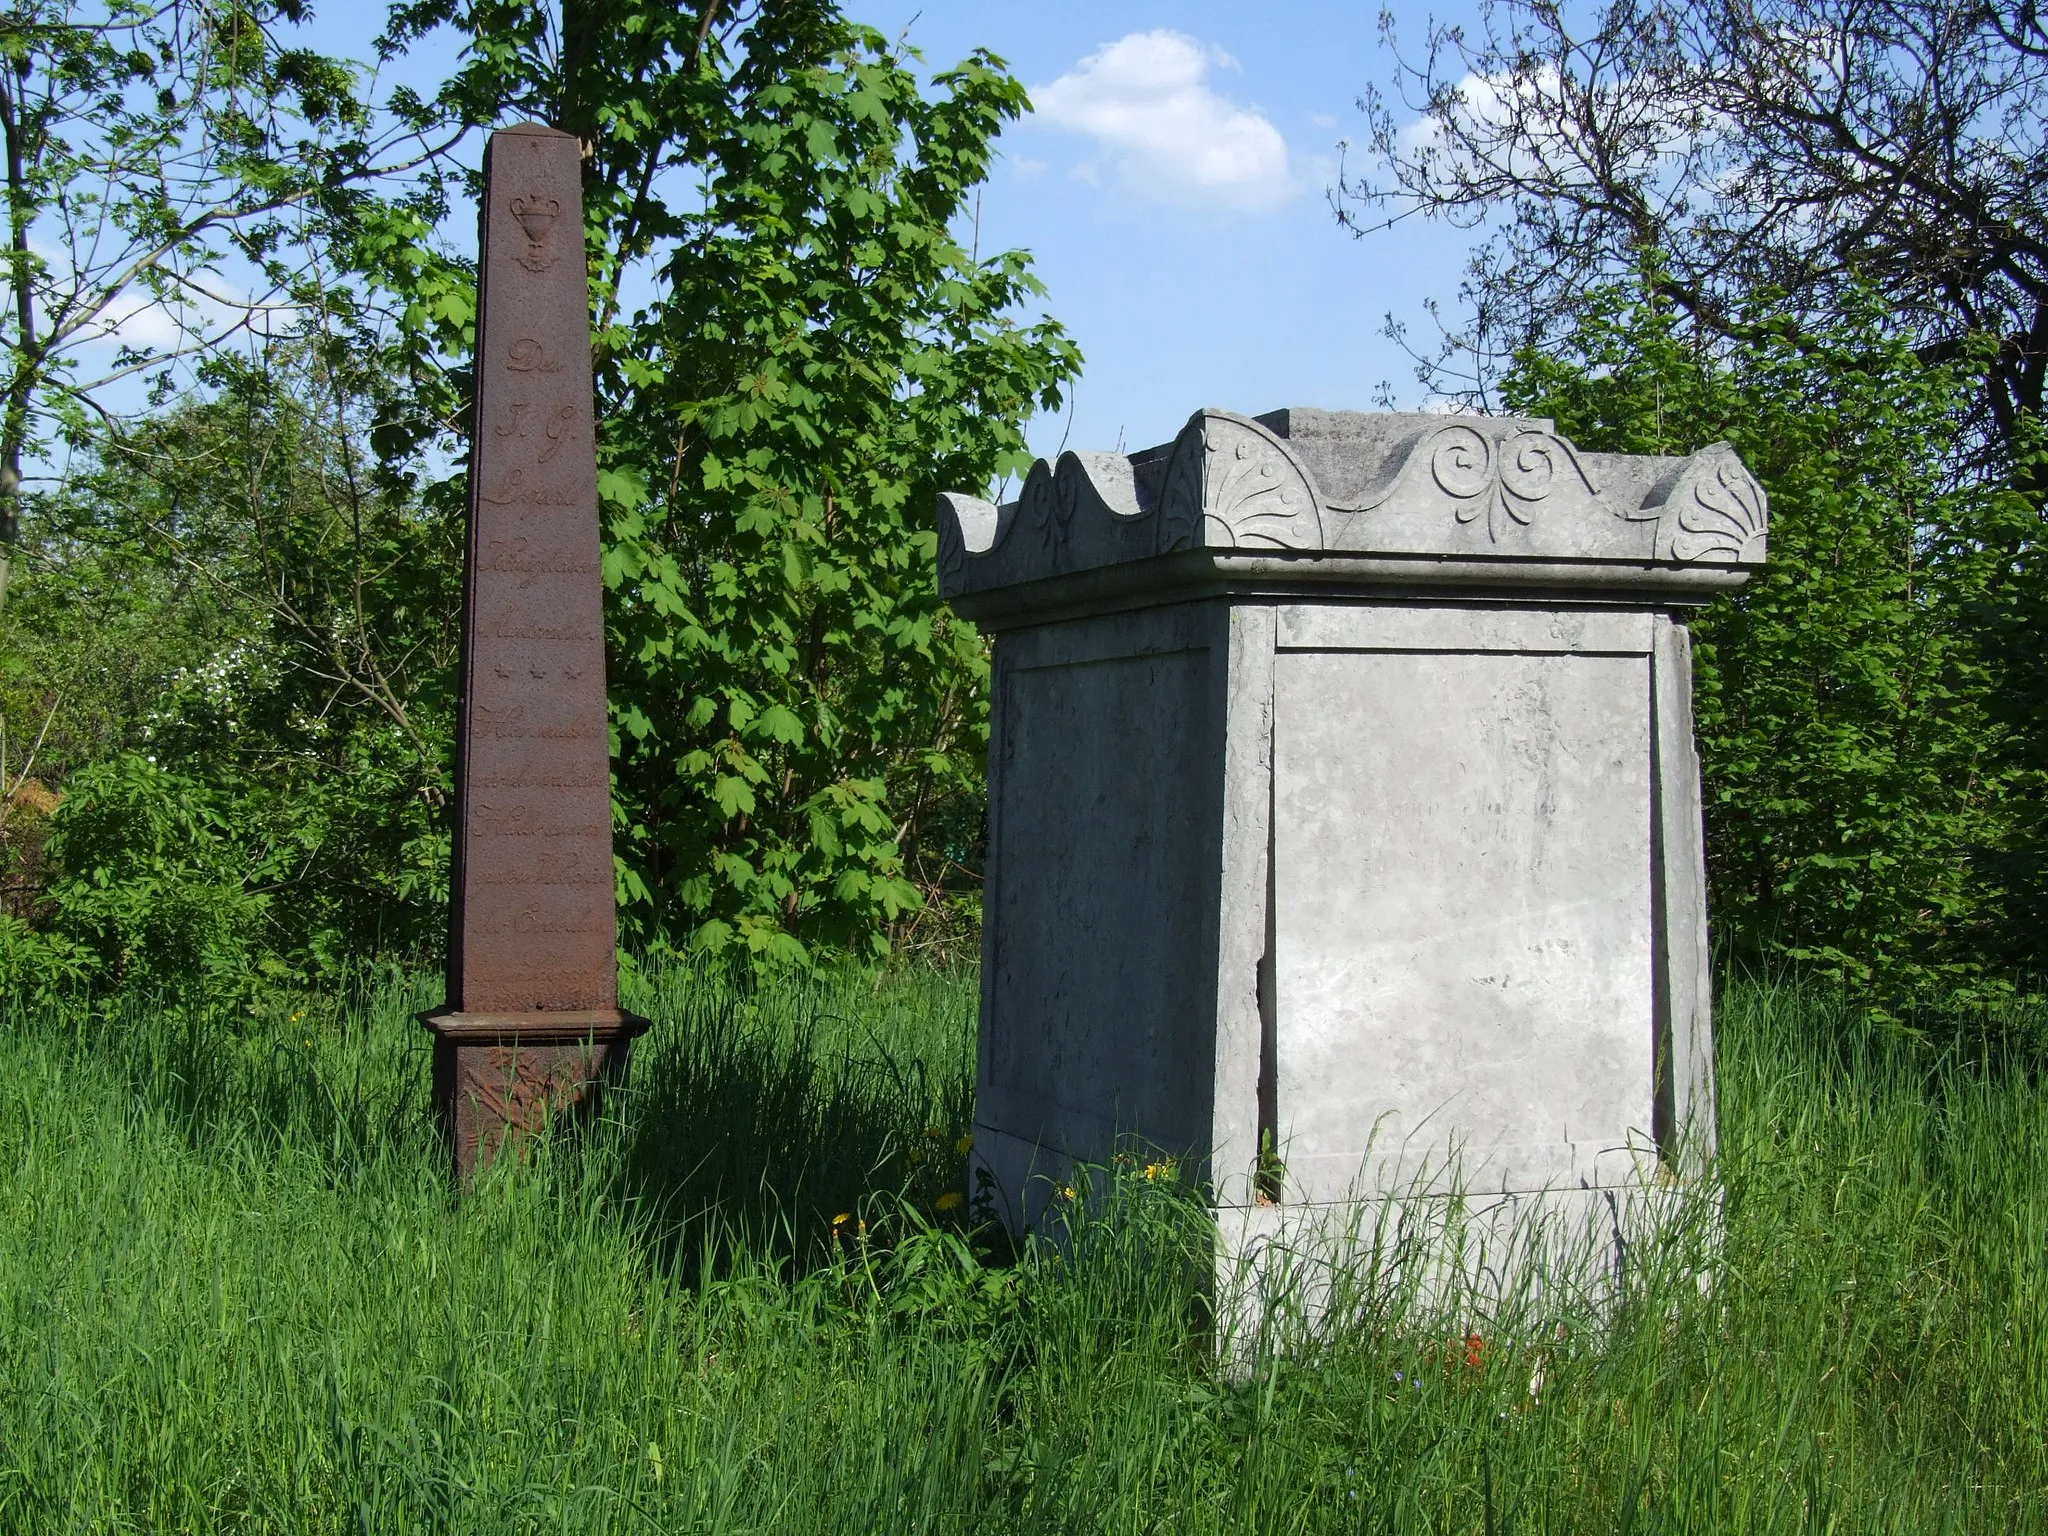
point(1393, 499)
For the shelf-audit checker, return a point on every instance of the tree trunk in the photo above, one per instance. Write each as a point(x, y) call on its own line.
point(14, 428)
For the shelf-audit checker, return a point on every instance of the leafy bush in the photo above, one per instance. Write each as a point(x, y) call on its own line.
point(155, 884)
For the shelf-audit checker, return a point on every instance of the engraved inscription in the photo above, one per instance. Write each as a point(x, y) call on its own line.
point(561, 419)
point(489, 819)
point(518, 629)
point(558, 431)
point(545, 867)
point(509, 724)
point(513, 491)
point(528, 356)
point(545, 779)
point(518, 557)
point(530, 919)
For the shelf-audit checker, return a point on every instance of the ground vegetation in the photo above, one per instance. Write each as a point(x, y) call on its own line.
point(236, 1295)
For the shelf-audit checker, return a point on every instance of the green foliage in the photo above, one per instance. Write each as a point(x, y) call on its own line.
point(235, 1296)
point(155, 885)
point(1858, 758)
point(812, 354)
point(247, 641)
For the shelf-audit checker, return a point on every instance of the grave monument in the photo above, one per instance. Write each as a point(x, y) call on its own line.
point(532, 1022)
point(1344, 814)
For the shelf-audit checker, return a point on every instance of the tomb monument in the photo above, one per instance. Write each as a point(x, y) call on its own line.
point(532, 1023)
point(1344, 813)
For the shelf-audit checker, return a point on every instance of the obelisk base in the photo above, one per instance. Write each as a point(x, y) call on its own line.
point(501, 1076)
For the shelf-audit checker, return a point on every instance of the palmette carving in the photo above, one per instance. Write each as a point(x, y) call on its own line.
point(1180, 502)
point(1255, 494)
point(1045, 512)
point(1717, 511)
point(1231, 484)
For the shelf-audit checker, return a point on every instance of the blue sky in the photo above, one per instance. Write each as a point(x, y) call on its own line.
point(1173, 187)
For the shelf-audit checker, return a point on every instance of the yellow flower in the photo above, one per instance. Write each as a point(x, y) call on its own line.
point(964, 1145)
point(842, 1218)
point(1067, 1192)
point(952, 1200)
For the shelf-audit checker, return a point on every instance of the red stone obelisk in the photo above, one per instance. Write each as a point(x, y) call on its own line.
point(532, 1022)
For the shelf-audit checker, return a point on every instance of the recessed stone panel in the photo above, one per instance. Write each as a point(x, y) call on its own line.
point(1462, 919)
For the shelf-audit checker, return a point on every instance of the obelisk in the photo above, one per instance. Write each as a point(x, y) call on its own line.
point(532, 1022)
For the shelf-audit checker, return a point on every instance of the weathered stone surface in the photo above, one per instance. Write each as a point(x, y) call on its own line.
point(532, 968)
point(1449, 500)
point(1343, 800)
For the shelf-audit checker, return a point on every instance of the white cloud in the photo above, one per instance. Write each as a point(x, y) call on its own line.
point(208, 306)
point(1146, 101)
point(1527, 121)
point(1487, 102)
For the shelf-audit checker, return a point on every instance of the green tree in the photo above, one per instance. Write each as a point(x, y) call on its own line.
point(182, 161)
point(1860, 783)
point(795, 350)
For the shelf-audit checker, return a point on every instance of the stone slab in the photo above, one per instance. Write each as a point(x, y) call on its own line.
point(1462, 912)
point(533, 924)
point(1079, 1041)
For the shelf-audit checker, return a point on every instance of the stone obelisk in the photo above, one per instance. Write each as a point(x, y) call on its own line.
point(532, 1022)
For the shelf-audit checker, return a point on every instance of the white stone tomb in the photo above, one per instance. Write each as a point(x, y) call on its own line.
point(1344, 801)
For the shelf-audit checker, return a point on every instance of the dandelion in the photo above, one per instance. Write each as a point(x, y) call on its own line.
point(964, 1145)
point(952, 1200)
point(1066, 1192)
point(1165, 1168)
point(840, 1220)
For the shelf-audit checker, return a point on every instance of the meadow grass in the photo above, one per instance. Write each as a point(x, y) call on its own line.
point(236, 1294)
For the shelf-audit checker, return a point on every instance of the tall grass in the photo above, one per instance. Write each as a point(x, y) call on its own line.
point(235, 1294)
